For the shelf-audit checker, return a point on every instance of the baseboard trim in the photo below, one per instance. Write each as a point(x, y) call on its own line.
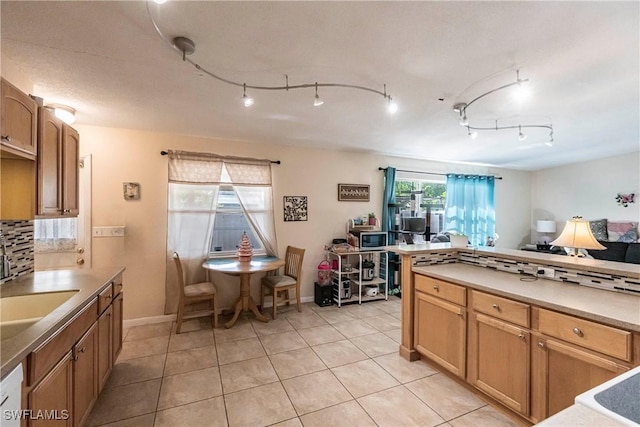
point(172, 317)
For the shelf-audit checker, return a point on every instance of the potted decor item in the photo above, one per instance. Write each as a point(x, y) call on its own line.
point(244, 250)
point(372, 218)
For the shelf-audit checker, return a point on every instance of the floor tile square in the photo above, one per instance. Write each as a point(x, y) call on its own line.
point(246, 374)
point(345, 414)
point(364, 377)
point(272, 326)
point(485, 416)
point(197, 324)
point(403, 370)
point(320, 335)
point(136, 370)
point(294, 363)
point(143, 348)
point(448, 398)
point(127, 401)
point(139, 421)
point(241, 330)
point(335, 316)
point(293, 422)
point(306, 319)
point(179, 362)
point(149, 331)
point(277, 343)
point(383, 323)
point(375, 344)
point(394, 334)
point(189, 340)
point(312, 392)
point(259, 406)
point(354, 328)
point(360, 311)
point(399, 407)
point(339, 353)
point(189, 387)
point(205, 413)
point(236, 351)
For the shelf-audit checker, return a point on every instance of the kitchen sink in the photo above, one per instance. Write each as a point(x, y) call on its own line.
point(616, 398)
point(20, 312)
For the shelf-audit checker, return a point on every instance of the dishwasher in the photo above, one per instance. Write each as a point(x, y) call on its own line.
point(11, 398)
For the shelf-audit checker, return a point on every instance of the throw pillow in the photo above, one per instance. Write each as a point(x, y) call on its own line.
point(623, 231)
point(599, 229)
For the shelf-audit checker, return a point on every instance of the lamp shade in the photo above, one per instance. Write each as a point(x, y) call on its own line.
point(545, 226)
point(577, 235)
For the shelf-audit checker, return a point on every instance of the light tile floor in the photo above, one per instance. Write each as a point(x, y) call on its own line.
point(324, 366)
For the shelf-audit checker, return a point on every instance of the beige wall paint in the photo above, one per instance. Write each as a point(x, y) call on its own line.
point(16, 76)
point(121, 155)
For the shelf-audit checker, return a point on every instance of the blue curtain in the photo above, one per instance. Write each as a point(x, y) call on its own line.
point(389, 212)
point(470, 207)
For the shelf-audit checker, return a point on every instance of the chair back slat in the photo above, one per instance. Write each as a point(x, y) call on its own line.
point(293, 262)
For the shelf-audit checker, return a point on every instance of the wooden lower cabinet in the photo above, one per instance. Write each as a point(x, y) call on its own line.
point(499, 361)
point(105, 346)
point(440, 332)
point(117, 317)
point(53, 396)
point(85, 375)
point(561, 372)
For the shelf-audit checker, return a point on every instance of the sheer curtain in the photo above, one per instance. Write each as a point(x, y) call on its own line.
point(470, 207)
point(194, 185)
point(388, 212)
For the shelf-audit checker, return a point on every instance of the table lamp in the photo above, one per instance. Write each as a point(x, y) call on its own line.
point(577, 235)
point(544, 226)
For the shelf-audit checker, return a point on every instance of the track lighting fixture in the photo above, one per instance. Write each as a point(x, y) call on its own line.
point(317, 101)
point(186, 46)
point(472, 134)
point(248, 101)
point(462, 107)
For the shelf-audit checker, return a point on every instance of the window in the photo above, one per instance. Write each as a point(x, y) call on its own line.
point(55, 234)
point(229, 224)
point(423, 198)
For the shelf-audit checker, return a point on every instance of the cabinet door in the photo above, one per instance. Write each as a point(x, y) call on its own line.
point(105, 346)
point(85, 375)
point(18, 121)
point(49, 161)
point(54, 394)
point(561, 372)
point(70, 170)
point(499, 361)
point(440, 332)
point(117, 326)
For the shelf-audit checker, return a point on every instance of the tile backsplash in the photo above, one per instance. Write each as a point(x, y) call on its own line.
point(18, 236)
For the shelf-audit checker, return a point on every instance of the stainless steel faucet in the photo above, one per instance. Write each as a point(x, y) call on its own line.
point(5, 265)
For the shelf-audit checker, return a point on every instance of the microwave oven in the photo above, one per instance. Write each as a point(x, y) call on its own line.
point(371, 240)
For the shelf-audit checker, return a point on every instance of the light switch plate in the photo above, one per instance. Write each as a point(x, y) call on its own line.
point(109, 231)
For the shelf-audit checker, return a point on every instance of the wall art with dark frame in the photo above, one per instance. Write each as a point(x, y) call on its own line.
point(295, 208)
point(353, 192)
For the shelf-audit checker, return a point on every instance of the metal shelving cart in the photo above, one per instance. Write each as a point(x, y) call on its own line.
point(349, 283)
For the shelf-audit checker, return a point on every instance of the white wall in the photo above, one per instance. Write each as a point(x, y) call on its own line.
point(121, 155)
point(587, 189)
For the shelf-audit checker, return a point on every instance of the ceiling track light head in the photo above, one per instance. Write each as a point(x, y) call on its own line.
point(184, 45)
point(459, 107)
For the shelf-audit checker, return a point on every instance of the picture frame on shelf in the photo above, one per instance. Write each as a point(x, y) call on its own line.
point(353, 192)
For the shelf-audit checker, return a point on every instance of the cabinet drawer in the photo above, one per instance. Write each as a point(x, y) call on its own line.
point(502, 308)
point(594, 336)
point(438, 288)
point(117, 285)
point(43, 358)
point(104, 299)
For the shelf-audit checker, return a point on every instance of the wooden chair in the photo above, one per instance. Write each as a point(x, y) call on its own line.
point(290, 280)
point(193, 293)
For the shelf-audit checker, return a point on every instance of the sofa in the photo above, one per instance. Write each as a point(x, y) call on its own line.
point(618, 251)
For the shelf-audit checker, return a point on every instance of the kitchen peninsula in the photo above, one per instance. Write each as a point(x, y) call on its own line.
point(487, 317)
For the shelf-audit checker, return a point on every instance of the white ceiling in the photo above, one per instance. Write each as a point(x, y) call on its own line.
point(582, 59)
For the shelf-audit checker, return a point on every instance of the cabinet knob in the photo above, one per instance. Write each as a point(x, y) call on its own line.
point(541, 344)
point(80, 250)
point(578, 332)
point(521, 336)
point(83, 349)
point(437, 288)
point(495, 307)
point(6, 138)
point(80, 261)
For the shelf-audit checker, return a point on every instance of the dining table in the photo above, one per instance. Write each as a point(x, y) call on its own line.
point(244, 269)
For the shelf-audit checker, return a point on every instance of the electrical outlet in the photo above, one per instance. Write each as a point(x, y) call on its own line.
point(546, 272)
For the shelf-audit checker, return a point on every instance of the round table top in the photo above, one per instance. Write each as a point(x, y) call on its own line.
point(233, 266)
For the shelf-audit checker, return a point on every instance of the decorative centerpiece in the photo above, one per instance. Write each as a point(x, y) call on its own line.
point(244, 250)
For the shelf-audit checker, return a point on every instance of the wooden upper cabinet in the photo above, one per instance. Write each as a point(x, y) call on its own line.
point(18, 121)
point(58, 169)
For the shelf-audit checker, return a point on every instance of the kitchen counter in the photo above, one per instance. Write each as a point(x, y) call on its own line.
point(612, 308)
point(89, 284)
point(578, 416)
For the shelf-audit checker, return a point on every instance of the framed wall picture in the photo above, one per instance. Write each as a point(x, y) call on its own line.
point(131, 190)
point(295, 208)
point(353, 192)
